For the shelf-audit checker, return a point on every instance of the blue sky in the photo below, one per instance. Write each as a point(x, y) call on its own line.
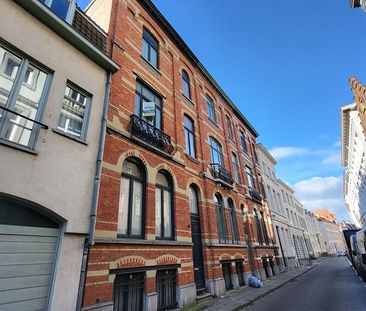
point(286, 65)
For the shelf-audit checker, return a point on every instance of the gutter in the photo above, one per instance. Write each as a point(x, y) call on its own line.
point(98, 167)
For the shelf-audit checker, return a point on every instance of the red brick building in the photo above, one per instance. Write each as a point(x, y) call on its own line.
point(180, 199)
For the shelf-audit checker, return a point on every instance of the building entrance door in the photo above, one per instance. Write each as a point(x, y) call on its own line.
point(199, 276)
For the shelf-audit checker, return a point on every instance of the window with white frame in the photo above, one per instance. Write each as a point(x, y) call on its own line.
point(74, 112)
point(23, 90)
point(164, 206)
point(63, 8)
point(131, 211)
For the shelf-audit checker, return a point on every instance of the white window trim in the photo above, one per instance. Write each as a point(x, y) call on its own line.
point(70, 13)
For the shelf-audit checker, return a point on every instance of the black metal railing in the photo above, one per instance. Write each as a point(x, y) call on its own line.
point(150, 134)
point(24, 117)
point(17, 128)
point(218, 172)
point(255, 195)
point(166, 283)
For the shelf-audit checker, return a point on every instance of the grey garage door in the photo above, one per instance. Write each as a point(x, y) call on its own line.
point(26, 262)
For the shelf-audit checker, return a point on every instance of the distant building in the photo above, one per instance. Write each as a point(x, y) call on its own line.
point(325, 214)
point(181, 211)
point(285, 250)
point(332, 237)
point(314, 235)
point(54, 69)
point(295, 216)
point(353, 123)
point(347, 225)
point(358, 3)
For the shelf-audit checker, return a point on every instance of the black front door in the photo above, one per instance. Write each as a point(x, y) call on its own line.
point(199, 276)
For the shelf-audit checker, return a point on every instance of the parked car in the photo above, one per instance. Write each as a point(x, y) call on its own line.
point(347, 237)
point(358, 247)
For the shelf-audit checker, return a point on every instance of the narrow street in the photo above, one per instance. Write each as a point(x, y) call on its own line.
point(332, 286)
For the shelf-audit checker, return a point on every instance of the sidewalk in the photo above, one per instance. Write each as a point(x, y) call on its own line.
point(238, 299)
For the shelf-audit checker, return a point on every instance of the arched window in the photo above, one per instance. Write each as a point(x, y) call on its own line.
point(211, 109)
point(186, 84)
point(243, 141)
point(220, 215)
point(258, 227)
point(163, 206)
point(132, 199)
point(234, 225)
point(235, 161)
point(265, 232)
point(216, 152)
point(193, 200)
point(189, 136)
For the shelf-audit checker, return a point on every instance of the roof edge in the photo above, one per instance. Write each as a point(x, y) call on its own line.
point(153, 11)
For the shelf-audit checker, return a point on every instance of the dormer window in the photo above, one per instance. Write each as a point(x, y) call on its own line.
point(63, 8)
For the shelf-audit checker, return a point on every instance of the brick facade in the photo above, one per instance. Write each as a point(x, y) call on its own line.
point(112, 254)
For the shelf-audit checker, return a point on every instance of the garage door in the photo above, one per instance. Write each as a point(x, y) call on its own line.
point(26, 262)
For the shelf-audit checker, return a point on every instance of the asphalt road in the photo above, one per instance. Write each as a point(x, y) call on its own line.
point(332, 286)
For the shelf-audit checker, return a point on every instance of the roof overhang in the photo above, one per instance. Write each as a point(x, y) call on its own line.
point(67, 32)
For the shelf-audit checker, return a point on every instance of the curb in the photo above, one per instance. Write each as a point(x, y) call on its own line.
point(251, 302)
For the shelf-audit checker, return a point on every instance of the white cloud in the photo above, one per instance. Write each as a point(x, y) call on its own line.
point(333, 159)
point(287, 152)
point(322, 193)
point(337, 144)
point(318, 187)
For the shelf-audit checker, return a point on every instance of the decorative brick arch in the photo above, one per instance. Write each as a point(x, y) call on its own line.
point(225, 256)
point(168, 259)
point(195, 183)
point(132, 153)
point(164, 166)
point(128, 262)
point(238, 256)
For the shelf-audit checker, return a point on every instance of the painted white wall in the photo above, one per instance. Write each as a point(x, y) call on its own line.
point(354, 160)
point(60, 176)
point(278, 214)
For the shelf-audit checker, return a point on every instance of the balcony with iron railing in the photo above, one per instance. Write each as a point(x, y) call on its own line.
point(221, 174)
point(151, 135)
point(255, 195)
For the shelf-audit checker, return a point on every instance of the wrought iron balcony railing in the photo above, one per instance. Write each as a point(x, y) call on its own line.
point(218, 172)
point(150, 134)
point(255, 195)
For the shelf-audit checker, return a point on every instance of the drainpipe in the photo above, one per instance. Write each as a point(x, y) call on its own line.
point(90, 241)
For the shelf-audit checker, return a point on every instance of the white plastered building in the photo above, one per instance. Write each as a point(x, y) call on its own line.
point(53, 82)
point(354, 162)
